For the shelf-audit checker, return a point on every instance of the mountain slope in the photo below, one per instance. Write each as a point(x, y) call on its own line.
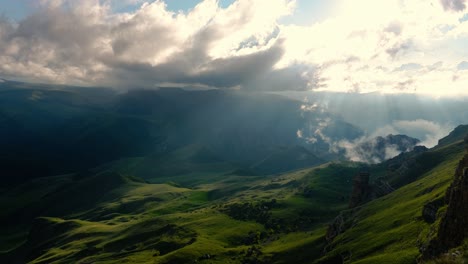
point(391, 228)
point(52, 130)
point(135, 221)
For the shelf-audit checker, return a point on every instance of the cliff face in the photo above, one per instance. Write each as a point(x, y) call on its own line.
point(453, 228)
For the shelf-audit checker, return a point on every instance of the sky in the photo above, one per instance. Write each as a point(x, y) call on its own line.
point(388, 46)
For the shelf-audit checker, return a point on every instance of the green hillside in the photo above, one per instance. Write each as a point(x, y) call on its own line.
point(391, 229)
point(231, 218)
point(166, 177)
point(221, 217)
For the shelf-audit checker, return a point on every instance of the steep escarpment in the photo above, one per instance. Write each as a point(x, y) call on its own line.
point(391, 228)
point(363, 192)
point(453, 227)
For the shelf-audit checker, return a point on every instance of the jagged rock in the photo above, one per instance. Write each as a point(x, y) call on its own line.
point(453, 227)
point(429, 212)
point(361, 189)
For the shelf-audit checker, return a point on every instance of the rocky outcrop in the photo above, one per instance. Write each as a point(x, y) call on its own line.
point(429, 212)
point(363, 192)
point(361, 189)
point(453, 228)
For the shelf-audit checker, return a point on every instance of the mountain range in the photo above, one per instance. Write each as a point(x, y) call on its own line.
point(95, 175)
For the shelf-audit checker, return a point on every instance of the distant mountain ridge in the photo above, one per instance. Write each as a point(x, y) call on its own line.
point(456, 135)
point(383, 148)
point(173, 176)
point(50, 130)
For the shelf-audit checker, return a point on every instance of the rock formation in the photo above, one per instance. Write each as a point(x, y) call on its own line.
point(362, 193)
point(429, 212)
point(453, 227)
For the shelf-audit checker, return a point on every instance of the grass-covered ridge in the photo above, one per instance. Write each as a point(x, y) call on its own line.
point(70, 218)
point(221, 214)
point(391, 229)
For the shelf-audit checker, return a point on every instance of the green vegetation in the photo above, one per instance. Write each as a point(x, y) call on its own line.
point(219, 218)
point(106, 217)
point(391, 229)
point(135, 221)
point(178, 182)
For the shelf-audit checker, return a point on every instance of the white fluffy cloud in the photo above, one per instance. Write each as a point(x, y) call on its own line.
point(368, 45)
point(364, 45)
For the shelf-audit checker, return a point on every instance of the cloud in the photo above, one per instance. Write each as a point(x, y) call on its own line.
point(453, 5)
point(245, 45)
point(429, 132)
point(383, 36)
point(373, 150)
point(409, 67)
point(84, 42)
point(370, 148)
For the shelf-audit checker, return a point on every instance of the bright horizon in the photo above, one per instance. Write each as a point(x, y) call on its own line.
point(392, 46)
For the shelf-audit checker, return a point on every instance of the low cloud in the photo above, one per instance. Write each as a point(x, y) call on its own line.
point(373, 150)
point(427, 131)
point(377, 146)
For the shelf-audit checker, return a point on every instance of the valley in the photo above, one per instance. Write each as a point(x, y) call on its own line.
point(172, 192)
point(233, 132)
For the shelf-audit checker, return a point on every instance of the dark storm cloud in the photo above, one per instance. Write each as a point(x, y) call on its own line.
point(193, 66)
point(85, 45)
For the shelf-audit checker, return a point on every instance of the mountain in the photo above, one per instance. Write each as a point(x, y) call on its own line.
point(398, 226)
point(456, 135)
point(175, 176)
point(52, 130)
point(303, 216)
point(380, 148)
point(411, 114)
